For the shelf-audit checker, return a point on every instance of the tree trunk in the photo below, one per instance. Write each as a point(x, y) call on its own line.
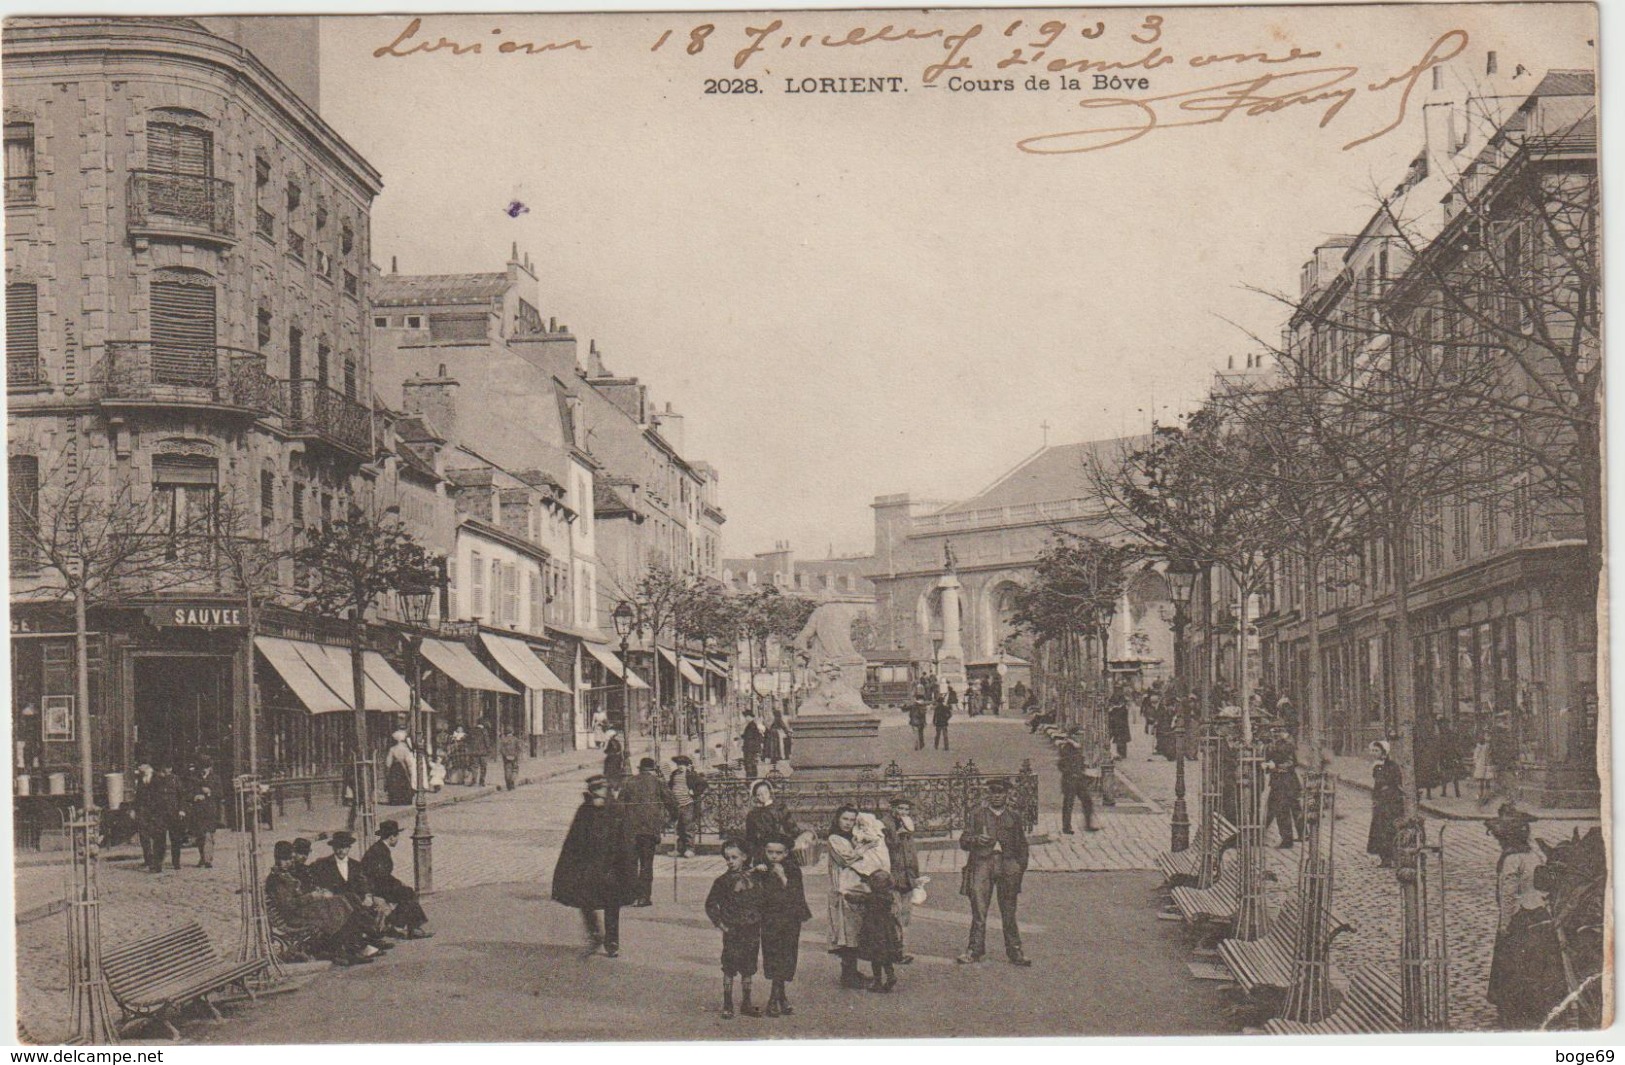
point(1312, 742)
point(1244, 680)
point(81, 686)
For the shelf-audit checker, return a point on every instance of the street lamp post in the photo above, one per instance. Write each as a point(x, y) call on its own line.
point(622, 617)
point(415, 604)
point(1181, 579)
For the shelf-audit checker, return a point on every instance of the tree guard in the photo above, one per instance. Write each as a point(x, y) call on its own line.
point(1308, 998)
point(254, 930)
point(1252, 914)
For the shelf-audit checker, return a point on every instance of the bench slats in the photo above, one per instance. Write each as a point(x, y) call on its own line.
point(152, 977)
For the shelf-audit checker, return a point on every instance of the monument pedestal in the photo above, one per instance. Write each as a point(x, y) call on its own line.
point(835, 746)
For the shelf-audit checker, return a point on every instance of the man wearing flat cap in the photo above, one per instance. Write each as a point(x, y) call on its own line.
point(596, 869)
point(1074, 781)
point(996, 839)
point(649, 805)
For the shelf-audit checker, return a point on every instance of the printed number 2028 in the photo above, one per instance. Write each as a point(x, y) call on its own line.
point(745, 86)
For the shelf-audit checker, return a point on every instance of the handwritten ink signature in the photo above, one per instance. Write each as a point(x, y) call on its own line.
point(1332, 87)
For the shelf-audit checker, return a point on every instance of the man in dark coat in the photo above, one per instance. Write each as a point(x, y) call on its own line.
point(204, 791)
point(942, 712)
point(1074, 782)
point(916, 721)
point(479, 751)
point(996, 838)
point(597, 869)
point(1117, 723)
point(898, 826)
point(648, 804)
point(1284, 807)
point(751, 745)
point(313, 921)
point(342, 875)
point(407, 918)
point(159, 818)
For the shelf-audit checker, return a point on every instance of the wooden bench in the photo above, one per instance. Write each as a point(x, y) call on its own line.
point(1185, 866)
point(1218, 903)
point(1371, 1005)
point(1266, 964)
point(155, 977)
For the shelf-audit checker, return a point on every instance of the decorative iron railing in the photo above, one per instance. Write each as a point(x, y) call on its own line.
point(189, 201)
point(145, 372)
point(942, 801)
point(314, 409)
point(21, 191)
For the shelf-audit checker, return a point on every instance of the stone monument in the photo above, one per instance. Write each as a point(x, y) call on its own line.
point(836, 734)
point(951, 655)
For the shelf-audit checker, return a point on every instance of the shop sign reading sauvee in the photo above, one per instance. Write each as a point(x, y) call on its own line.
point(197, 617)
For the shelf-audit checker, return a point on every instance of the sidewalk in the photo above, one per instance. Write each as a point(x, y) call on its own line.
point(1355, 772)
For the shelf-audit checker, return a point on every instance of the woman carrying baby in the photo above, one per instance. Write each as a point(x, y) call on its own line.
point(857, 849)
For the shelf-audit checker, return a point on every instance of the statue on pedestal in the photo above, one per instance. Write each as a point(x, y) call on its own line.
point(835, 665)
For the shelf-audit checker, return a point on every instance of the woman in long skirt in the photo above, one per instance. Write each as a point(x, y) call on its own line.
point(1387, 804)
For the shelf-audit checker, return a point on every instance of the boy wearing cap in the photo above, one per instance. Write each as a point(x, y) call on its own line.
point(996, 839)
point(686, 787)
point(734, 906)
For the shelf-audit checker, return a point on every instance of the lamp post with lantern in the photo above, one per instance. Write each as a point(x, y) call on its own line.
point(623, 616)
point(1181, 581)
point(415, 605)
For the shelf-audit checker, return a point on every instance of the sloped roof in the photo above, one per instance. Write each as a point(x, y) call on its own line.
point(1053, 473)
point(605, 500)
point(1567, 83)
point(413, 290)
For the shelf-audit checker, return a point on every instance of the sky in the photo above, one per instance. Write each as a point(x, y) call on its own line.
point(850, 295)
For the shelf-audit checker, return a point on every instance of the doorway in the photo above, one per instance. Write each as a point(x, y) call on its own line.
point(183, 708)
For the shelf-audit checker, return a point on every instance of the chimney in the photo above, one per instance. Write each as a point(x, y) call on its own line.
point(595, 361)
point(671, 427)
point(394, 265)
point(435, 400)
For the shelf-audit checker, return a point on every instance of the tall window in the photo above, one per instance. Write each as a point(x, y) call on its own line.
point(263, 328)
point(178, 149)
point(510, 595)
point(476, 574)
point(296, 353)
point(324, 352)
point(267, 500)
point(22, 335)
point(24, 473)
point(298, 506)
point(185, 491)
point(20, 173)
point(183, 328)
point(350, 378)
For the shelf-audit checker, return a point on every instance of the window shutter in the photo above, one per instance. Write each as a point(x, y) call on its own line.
point(267, 499)
point(183, 332)
point(24, 473)
point(175, 149)
point(349, 378)
point(476, 573)
point(22, 334)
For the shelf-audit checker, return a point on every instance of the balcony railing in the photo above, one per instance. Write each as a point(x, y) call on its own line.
point(314, 409)
point(21, 191)
point(1022, 514)
point(139, 371)
point(189, 202)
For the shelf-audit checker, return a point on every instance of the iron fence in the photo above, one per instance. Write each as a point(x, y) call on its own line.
point(191, 201)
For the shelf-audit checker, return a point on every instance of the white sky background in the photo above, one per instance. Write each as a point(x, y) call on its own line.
point(855, 295)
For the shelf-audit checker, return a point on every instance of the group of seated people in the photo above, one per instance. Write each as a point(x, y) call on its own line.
point(340, 908)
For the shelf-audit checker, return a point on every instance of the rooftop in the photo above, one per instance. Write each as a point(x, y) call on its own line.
point(1054, 473)
point(421, 290)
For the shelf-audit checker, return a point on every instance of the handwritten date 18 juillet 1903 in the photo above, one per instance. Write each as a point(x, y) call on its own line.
point(1267, 81)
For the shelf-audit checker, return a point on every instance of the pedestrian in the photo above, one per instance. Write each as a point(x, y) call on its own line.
point(342, 875)
point(1117, 723)
point(457, 755)
point(512, 748)
point(996, 693)
point(203, 818)
point(973, 704)
point(996, 839)
point(1074, 781)
point(1526, 969)
point(1450, 773)
point(1284, 806)
point(750, 743)
point(406, 918)
point(319, 922)
point(648, 803)
point(161, 818)
point(845, 878)
point(301, 861)
point(942, 713)
point(1483, 767)
point(687, 788)
point(597, 869)
point(898, 825)
point(784, 911)
point(880, 937)
point(1287, 713)
point(1148, 712)
point(734, 906)
point(400, 767)
point(479, 751)
point(614, 758)
point(768, 820)
point(150, 823)
point(779, 740)
point(1387, 804)
point(916, 721)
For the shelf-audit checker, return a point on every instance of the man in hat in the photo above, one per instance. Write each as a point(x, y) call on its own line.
point(407, 918)
point(512, 748)
point(1074, 782)
point(597, 869)
point(996, 839)
point(648, 804)
point(301, 861)
point(314, 921)
point(341, 875)
point(1284, 807)
point(898, 825)
point(687, 786)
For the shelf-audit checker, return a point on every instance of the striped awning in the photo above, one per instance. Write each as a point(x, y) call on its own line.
point(459, 664)
point(612, 663)
point(522, 664)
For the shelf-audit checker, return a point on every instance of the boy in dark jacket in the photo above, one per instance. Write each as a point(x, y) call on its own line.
point(880, 938)
point(784, 910)
point(735, 907)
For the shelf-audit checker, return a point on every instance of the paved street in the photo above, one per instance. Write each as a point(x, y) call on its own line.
point(1090, 916)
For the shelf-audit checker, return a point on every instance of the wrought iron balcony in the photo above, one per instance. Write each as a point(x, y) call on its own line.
point(313, 409)
point(162, 203)
point(139, 372)
point(21, 191)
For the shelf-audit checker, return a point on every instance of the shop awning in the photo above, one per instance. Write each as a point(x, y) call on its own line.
point(459, 663)
point(382, 675)
point(703, 665)
point(384, 689)
point(314, 692)
point(687, 671)
point(611, 662)
point(521, 663)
